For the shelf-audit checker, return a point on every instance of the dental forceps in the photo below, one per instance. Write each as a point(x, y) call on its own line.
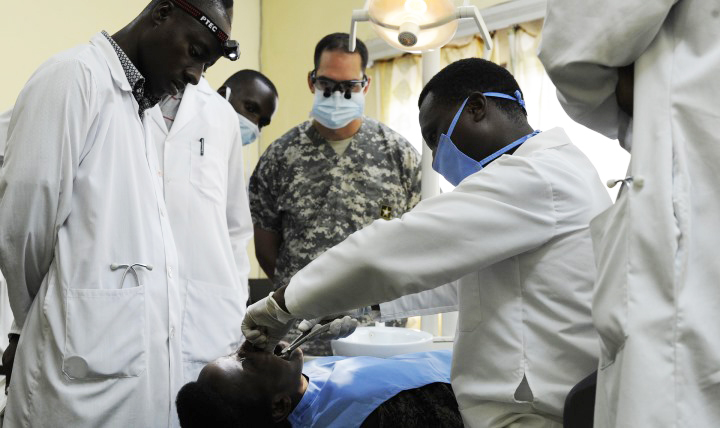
point(130, 268)
point(310, 334)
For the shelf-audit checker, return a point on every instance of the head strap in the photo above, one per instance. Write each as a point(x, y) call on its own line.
point(229, 47)
point(517, 96)
point(456, 118)
point(202, 18)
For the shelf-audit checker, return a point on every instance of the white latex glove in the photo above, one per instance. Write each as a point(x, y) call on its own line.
point(265, 324)
point(339, 328)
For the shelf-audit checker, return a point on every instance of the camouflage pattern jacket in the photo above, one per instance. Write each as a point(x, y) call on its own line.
point(314, 198)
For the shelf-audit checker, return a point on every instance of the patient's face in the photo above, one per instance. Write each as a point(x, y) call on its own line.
point(252, 373)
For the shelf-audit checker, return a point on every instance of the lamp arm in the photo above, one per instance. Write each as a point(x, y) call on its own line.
point(462, 12)
point(383, 24)
point(439, 23)
point(430, 26)
point(472, 12)
point(358, 15)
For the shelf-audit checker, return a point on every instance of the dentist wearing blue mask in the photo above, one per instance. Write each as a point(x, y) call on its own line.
point(452, 162)
point(515, 236)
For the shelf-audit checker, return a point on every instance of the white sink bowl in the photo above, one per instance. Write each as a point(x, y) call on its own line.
point(382, 342)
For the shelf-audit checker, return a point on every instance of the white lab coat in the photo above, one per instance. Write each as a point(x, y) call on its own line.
point(657, 294)
point(209, 212)
point(438, 300)
point(6, 318)
point(4, 124)
point(78, 192)
point(5, 312)
point(516, 236)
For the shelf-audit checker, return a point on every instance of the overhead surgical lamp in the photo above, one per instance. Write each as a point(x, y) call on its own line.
point(417, 25)
point(421, 26)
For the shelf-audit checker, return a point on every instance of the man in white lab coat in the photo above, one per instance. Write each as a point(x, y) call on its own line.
point(86, 246)
point(514, 232)
point(5, 312)
point(656, 300)
point(4, 124)
point(199, 142)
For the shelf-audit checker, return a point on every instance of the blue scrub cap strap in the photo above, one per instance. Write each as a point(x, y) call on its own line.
point(517, 96)
point(507, 148)
point(456, 118)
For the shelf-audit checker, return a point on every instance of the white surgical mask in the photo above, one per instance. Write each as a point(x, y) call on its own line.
point(336, 111)
point(248, 129)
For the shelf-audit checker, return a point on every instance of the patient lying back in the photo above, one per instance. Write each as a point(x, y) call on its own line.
point(259, 389)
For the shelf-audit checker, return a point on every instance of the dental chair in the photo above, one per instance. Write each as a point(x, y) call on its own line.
point(3, 400)
point(580, 404)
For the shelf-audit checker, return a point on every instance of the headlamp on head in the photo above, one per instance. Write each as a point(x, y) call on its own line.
point(231, 49)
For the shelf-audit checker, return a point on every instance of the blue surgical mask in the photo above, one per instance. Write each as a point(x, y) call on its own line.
point(455, 165)
point(248, 130)
point(336, 111)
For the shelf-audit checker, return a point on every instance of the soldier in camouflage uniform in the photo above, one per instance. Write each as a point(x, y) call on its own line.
point(302, 190)
point(319, 183)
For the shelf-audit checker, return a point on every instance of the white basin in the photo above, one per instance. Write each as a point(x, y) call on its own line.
point(383, 342)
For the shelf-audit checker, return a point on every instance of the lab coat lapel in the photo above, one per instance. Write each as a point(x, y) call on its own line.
point(551, 138)
point(116, 69)
point(113, 62)
point(193, 102)
point(159, 122)
point(120, 79)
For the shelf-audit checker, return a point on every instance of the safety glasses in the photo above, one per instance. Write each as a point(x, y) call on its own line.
point(328, 86)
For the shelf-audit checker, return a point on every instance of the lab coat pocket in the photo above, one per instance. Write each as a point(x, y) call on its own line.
point(104, 333)
point(469, 315)
point(208, 172)
point(610, 297)
point(211, 323)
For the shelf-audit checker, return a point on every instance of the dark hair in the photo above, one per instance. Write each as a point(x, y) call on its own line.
point(340, 42)
point(244, 76)
point(456, 81)
point(225, 4)
point(199, 406)
point(222, 5)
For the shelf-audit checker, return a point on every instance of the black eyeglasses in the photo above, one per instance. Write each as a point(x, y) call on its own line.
point(328, 86)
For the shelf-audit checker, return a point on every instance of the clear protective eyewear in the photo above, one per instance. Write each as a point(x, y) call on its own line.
point(328, 86)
